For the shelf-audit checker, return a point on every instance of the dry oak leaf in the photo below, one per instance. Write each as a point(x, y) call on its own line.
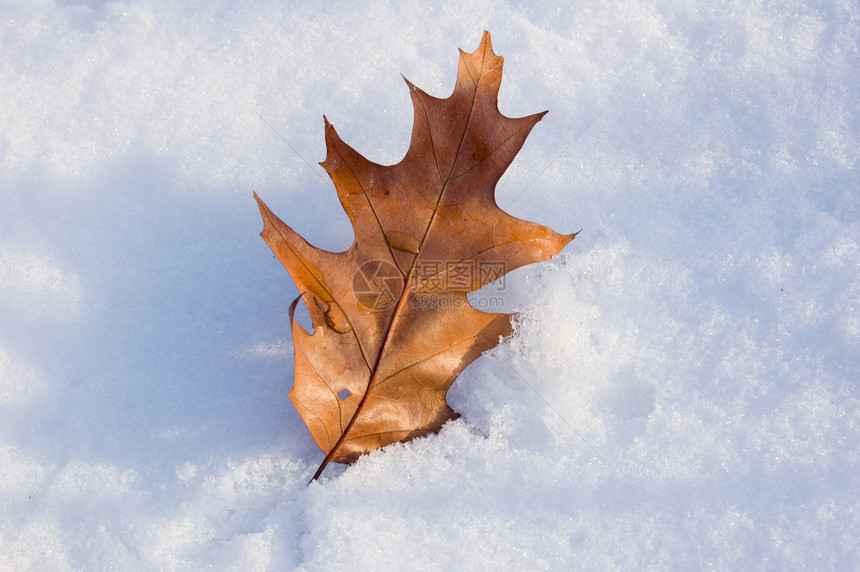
point(392, 325)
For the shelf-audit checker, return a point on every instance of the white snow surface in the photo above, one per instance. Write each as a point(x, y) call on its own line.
point(681, 391)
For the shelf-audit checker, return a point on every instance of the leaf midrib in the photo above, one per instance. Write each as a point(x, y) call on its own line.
point(397, 311)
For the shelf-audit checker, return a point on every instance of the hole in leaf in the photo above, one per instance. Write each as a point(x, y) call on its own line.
point(343, 394)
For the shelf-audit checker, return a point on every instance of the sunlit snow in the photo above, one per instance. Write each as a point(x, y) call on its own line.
point(682, 388)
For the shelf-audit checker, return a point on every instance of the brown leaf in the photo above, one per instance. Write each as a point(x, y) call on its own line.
point(392, 325)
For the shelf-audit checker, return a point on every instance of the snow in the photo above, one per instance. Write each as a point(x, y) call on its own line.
point(682, 389)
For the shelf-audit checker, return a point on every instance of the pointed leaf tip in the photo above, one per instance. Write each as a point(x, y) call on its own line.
point(486, 42)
